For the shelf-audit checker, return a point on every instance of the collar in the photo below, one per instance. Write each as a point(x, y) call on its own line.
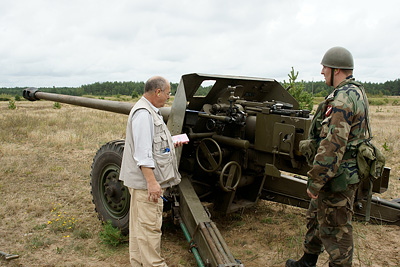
point(151, 105)
point(345, 81)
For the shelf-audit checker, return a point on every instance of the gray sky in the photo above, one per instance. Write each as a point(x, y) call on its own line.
point(70, 43)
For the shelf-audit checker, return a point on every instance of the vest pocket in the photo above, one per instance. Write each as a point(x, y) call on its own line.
point(338, 183)
point(164, 167)
point(160, 143)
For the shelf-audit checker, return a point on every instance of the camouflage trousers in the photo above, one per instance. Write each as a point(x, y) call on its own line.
point(329, 226)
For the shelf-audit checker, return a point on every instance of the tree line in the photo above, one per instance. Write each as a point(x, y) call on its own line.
point(98, 89)
point(388, 88)
point(134, 89)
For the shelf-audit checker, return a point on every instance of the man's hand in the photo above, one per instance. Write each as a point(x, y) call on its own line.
point(179, 143)
point(154, 191)
point(311, 194)
point(180, 140)
point(153, 187)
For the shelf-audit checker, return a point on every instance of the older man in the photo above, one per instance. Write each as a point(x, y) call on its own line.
point(148, 167)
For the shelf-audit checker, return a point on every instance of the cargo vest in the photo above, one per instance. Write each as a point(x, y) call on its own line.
point(163, 151)
point(327, 171)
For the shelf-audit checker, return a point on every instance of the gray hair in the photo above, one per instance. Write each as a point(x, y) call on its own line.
point(154, 83)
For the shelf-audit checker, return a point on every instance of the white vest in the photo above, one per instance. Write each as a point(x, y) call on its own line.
point(166, 167)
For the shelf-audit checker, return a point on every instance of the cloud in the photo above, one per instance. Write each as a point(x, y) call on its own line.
point(69, 43)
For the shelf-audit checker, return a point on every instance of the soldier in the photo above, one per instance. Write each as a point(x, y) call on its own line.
point(338, 127)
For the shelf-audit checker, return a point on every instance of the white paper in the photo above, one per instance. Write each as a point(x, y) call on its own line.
point(180, 138)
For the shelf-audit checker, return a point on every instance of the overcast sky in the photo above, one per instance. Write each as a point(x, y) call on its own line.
point(70, 43)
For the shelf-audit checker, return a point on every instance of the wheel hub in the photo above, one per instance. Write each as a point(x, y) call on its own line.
point(114, 193)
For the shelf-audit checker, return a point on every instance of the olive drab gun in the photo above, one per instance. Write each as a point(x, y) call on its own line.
point(244, 146)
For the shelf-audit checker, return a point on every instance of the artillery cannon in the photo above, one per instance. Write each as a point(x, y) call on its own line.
point(244, 146)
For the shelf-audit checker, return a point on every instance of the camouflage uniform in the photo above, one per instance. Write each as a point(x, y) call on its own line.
point(337, 129)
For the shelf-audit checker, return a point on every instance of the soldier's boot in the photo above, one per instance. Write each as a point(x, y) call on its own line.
point(308, 260)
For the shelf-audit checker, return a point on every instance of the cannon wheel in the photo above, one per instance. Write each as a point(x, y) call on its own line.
point(110, 197)
point(210, 153)
point(230, 176)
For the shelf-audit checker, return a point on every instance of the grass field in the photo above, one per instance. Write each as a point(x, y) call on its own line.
point(48, 219)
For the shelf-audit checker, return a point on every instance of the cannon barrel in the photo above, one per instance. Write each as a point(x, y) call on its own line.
point(33, 94)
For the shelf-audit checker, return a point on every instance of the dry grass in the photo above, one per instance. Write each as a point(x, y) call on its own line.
point(45, 159)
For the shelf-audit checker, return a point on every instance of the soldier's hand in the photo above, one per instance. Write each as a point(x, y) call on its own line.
point(311, 194)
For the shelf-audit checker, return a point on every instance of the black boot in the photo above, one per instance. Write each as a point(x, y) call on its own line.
point(308, 260)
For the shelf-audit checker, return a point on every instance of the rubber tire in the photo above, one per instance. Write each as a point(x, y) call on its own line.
point(109, 158)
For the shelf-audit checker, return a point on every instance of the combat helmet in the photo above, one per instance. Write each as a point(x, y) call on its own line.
point(338, 58)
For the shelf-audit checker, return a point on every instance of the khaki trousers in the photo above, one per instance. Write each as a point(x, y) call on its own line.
point(145, 220)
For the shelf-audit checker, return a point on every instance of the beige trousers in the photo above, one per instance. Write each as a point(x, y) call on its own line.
point(145, 220)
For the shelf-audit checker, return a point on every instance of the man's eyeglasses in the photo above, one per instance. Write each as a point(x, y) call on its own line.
point(168, 93)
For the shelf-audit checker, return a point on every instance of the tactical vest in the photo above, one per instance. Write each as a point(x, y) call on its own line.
point(362, 161)
point(163, 151)
point(370, 160)
point(347, 172)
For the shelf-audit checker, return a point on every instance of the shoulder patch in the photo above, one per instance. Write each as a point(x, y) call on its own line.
point(328, 110)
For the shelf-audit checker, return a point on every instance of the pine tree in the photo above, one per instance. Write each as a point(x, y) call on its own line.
point(296, 89)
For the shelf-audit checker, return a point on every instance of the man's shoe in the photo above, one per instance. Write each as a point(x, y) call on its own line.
point(308, 260)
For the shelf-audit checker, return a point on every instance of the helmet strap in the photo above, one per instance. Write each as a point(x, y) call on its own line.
point(332, 75)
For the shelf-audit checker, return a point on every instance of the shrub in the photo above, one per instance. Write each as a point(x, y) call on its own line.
point(386, 147)
point(376, 102)
point(135, 94)
point(111, 235)
point(11, 104)
point(57, 105)
point(395, 103)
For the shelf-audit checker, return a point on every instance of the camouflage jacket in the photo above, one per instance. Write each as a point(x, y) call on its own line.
point(338, 128)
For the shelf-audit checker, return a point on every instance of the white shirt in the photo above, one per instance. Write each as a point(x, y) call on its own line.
point(143, 132)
